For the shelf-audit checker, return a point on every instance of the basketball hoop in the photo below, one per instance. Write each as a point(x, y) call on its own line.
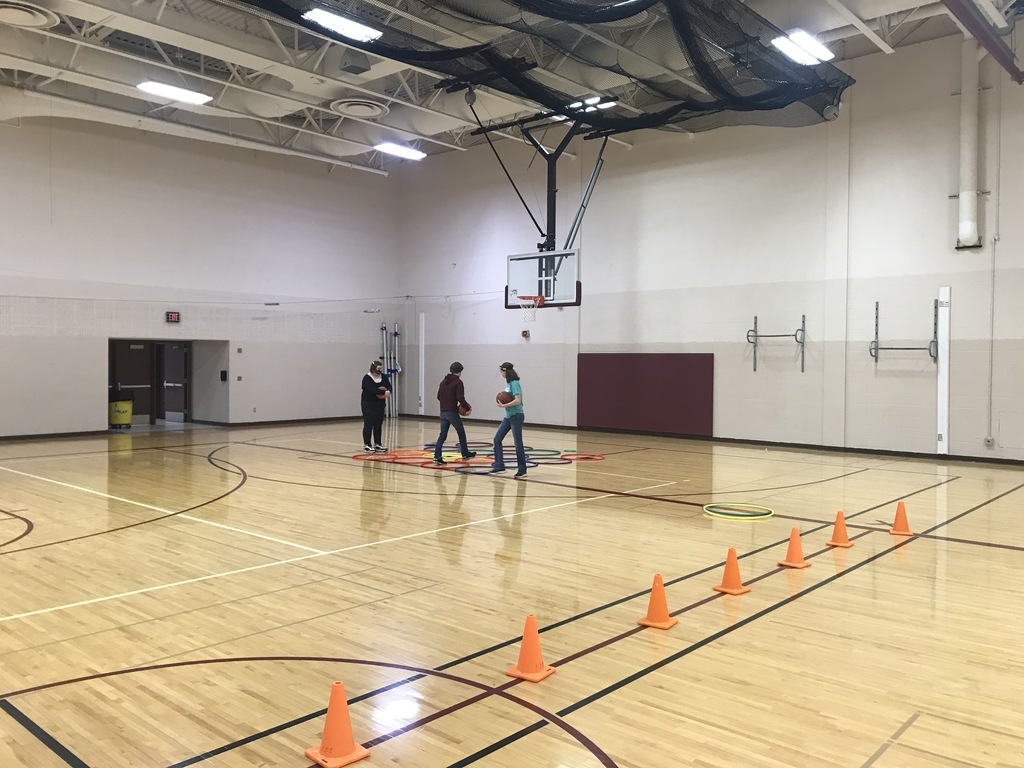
point(529, 305)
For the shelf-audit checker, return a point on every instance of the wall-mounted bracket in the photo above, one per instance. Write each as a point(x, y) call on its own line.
point(933, 346)
point(798, 336)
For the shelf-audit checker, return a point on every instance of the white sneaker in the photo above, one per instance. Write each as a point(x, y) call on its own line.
point(379, 449)
point(367, 449)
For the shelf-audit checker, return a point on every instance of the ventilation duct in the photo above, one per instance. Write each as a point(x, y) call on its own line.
point(16, 13)
point(703, 64)
point(354, 62)
point(967, 231)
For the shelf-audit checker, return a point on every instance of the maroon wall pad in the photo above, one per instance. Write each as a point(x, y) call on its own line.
point(663, 393)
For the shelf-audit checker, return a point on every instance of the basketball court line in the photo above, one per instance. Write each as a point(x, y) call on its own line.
point(162, 511)
point(420, 672)
point(187, 611)
point(775, 487)
point(42, 735)
point(975, 542)
point(823, 522)
point(115, 451)
point(487, 690)
point(536, 726)
point(334, 612)
point(480, 754)
point(321, 440)
point(410, 470)
point(275, 563)
point(883, 458)
point(572, 657)
point(891, 740)
point(580, 468)
point(512, 641)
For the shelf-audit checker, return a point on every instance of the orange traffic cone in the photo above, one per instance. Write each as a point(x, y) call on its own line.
point(731, 584)
point(337, 748)
point(531, 662)
point(795, 553)
point(657, 609)
point(900, 527)
point(839, 537)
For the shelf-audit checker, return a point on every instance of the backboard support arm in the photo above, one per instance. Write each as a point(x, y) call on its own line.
point(551, 158)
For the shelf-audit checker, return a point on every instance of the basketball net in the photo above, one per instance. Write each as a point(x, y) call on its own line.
point(529, 305)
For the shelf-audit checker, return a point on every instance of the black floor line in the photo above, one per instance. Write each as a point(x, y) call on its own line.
point(513, 641)
point(480, 754)
point(46, 738)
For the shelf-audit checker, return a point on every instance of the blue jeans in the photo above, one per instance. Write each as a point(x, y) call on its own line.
point(451, 419)
point(512, 422)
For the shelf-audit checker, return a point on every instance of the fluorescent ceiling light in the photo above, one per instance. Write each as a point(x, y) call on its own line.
point(400, 151)
point(174, 93)
point(812, 46)
point(353, 30)
point(591, 104)
point(802, 48)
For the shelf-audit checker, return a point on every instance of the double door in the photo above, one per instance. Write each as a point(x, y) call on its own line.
point(156, 373)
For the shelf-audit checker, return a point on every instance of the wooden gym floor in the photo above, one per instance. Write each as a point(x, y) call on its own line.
point(180, 599)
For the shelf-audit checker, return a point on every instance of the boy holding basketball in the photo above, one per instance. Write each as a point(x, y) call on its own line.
point(452, 396)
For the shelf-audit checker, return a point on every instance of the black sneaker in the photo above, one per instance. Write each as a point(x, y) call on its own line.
point(379, 449)
point(440, 461)
point(520, 476)
point(496, 470)
point(470, 455)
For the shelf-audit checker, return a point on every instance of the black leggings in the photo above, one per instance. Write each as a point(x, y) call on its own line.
point(373, 420)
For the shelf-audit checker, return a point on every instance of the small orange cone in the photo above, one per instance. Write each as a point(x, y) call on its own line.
point(795, 553)
point(337, 748)
point(531, 665)
point(657, 609)
point(731, 584)
point(900, 527)
point(839, 537)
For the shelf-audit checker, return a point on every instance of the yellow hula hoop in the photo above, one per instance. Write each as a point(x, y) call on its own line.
point(720, 509)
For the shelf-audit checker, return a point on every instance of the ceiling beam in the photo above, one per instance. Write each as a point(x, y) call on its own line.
point(298, 104)
point(861, 25)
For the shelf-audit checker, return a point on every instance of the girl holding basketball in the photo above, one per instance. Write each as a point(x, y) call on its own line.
point(512, 401)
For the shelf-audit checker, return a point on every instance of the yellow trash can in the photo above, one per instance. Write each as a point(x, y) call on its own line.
point(120, 413)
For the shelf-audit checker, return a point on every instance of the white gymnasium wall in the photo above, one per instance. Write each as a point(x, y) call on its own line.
point(687, 239)
point(105, 229)
point(211, 397)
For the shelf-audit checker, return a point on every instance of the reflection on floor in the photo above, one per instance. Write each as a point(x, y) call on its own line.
point(162, 426)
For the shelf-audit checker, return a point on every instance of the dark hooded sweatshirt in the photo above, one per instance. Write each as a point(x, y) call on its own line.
point(451, 394)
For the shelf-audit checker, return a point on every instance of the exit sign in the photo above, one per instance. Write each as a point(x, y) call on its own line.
point(173, 317)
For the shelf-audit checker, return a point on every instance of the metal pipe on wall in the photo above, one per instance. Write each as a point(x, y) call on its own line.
point(968, 235)
point(395, 370)
point(392, 367)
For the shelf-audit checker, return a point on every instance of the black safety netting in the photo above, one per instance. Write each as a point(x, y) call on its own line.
point(676, 64)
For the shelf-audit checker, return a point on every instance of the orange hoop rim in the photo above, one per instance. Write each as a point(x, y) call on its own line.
point(538, 301)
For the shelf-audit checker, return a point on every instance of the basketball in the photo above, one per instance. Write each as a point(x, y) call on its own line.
point(505, 397)
point(463, 411)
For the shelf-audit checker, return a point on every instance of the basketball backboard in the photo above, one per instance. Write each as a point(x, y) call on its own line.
point(555, 275)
